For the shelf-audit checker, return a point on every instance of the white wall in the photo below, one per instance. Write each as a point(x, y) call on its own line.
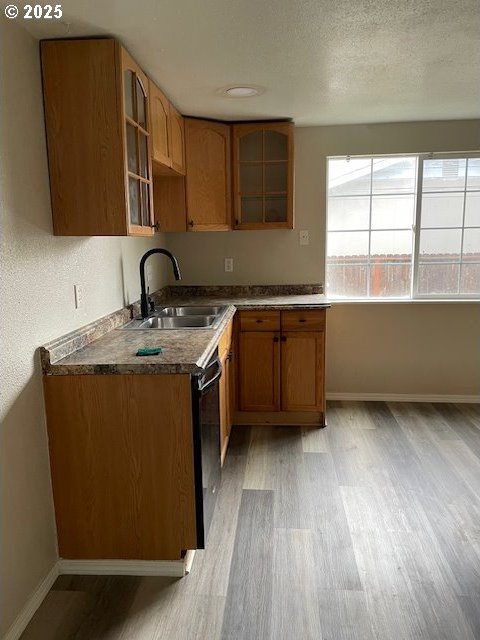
point(38, 272)
point(410, 348)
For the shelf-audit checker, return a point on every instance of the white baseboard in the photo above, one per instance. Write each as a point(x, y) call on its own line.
point(171, 568)
point(403, 397)
point(35, 600)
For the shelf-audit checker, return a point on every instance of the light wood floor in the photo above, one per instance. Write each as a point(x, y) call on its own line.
point(368, 529)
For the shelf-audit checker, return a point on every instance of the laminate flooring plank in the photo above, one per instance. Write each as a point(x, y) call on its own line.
point(290, 505)
point(307, 496)
point(444, 480)
point(211, 567)
point(59, 616)
point(460, 457)
point(314, 440)
point(471, 610)
point(295, 613)
point(462, 557)
point(322, 500)
point(354, 454)
point(191, 617)
point(344, 615)
point(440, 614)
point(466, 429)
point(395, 452)
point(260, 470)
point(395, 616)
point(239, 440)
point(472, 411)
point(149, 609)
point(249, 598)
point(112, 597)
point(435, 422)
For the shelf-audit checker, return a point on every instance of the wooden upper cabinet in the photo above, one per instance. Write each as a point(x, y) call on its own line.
point(208, 192)
point(177, 140)
point(137, 147)
point(160, 126)
point(98, 138)
point(263, 175)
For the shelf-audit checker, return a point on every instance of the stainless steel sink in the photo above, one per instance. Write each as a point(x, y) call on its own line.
point(181, 317)
point(189, 311)
point(177, 322)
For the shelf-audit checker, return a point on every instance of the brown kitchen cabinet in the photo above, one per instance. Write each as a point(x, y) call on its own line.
point(177, 139)
point(122, 465)
point(200, 201)
point(98, 138)
point(226, 388)
point(281, 367)
point(208, 190)
point(168, 135)
point(160, 128)
point(263, 179)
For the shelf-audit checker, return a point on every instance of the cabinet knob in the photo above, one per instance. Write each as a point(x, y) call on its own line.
point(156, 226)
point(284, 338)
point(190, 222)
point(275, 339)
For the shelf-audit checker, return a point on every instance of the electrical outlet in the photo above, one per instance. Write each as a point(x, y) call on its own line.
point(228, 265)
point(304, 237)
point(78, 292)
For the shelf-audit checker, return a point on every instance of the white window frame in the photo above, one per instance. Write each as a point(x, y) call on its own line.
point(416, 231)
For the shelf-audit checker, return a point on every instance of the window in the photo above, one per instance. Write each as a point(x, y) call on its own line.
point(403, 227)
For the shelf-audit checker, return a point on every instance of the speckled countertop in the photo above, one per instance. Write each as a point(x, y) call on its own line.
point(111, 350)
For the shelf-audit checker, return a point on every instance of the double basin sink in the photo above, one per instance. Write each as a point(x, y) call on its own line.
point(182, 317)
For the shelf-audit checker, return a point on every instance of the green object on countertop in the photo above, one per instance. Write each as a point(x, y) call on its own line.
point(149, 351)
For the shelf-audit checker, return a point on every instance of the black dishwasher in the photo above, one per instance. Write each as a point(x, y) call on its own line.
point(206, 441)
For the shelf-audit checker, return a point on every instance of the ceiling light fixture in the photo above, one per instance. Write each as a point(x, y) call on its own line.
point(241, 91)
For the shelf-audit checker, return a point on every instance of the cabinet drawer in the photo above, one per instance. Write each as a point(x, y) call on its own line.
point(303, 320)
point(260, 321)
point(225, 340)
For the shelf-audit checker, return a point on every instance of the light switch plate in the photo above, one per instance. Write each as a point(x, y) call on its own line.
point(228, 265)
point(304, 237)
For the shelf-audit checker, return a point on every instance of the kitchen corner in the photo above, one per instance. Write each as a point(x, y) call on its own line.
point(135, 451)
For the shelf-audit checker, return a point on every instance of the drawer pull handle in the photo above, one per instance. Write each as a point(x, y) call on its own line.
point(259, 320)
point(302, 320)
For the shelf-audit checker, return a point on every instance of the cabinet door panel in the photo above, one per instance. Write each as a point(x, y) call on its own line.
point(303, 354)
point(138, 148)
point(208, 175)
point(177, 140)
point(259, 371)
point(263, 175)
point(160, 124)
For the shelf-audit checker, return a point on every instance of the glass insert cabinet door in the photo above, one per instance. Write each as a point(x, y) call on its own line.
point(137, 148)
point(263, 175)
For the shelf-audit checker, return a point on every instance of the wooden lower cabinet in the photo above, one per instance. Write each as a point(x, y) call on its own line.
point(226, 349)
point(302, 356)
point(121, 456)
point(259, 380)
point(281, 373)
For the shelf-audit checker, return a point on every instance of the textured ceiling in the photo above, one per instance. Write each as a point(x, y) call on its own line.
point(320, 62)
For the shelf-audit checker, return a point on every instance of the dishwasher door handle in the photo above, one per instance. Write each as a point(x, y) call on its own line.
point(204, 387)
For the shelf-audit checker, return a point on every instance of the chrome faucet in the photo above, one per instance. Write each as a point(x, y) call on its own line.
point(145, 302)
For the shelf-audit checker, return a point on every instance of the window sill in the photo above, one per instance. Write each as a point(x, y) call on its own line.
point(336, 301)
